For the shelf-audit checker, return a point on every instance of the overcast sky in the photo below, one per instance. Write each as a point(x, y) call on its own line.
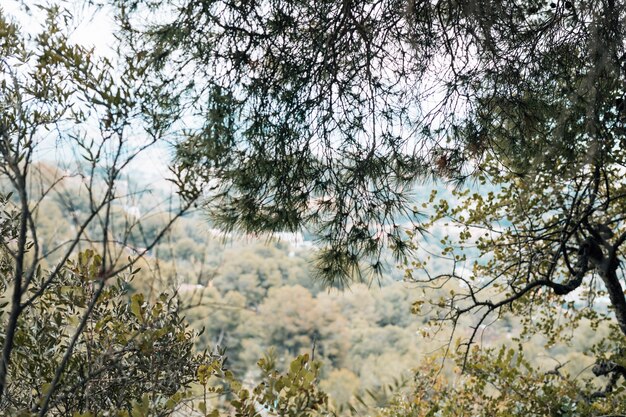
point(95, 28)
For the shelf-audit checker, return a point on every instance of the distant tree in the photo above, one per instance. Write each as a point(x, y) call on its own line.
point(342, 385)
point(220, 319)
point(250, 270)
point(306, 325)
point(295, 332)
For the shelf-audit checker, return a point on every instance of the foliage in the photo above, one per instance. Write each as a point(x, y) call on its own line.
point(294, 135)
point(502, 382)
point(348, 331)
point(130, 351)
point(292, 393)
point(74, 341)
point(544, 247)
point(322, 115)
point(54, 92)
point(309, 105)
point(136, 358)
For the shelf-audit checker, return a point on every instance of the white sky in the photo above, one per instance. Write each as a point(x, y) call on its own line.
point(94, 30)
point(95, 27)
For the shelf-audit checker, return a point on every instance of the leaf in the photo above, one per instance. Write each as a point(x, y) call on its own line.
point(135, 305)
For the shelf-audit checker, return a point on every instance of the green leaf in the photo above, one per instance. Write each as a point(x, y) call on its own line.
point(136, 303)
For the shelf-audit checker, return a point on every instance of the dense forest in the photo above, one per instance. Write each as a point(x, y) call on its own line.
point(290, 208)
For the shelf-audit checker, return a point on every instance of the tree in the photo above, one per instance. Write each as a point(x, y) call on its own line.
point(135, 357)
point(500, 382)
point(56, 93)
point(131, 355)
point(302, 327)
point(323, 115)
point(545, 248)
point(74, 341)
point(283, 140)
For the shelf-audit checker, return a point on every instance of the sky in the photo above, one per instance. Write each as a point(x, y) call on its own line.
point(94, 29)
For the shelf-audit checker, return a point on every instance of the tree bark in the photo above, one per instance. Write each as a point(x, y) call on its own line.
point(608, 274)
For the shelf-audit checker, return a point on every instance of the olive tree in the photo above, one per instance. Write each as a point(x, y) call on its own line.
point(55, 94)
